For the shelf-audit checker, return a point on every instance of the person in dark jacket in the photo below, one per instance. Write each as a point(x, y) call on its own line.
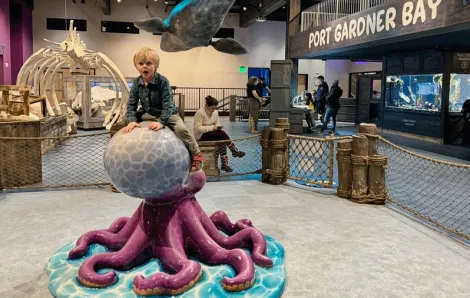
point(332, 105)
point(322, 92)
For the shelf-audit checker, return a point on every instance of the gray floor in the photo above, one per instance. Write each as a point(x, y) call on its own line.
point(334, 248)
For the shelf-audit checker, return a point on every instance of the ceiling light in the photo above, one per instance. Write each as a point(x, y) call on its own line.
point(244, 8)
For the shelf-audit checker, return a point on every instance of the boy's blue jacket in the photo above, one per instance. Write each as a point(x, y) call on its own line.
point(156, 99)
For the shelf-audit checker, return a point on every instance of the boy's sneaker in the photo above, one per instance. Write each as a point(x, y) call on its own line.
point(197, 162)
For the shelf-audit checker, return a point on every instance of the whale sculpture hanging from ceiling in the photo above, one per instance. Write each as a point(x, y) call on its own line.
point(193, 23)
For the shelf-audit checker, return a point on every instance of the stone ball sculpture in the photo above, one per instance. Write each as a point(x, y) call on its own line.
point(147, 164)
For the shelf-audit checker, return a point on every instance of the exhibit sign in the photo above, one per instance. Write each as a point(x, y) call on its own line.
point(380, 24)
point(461, 63)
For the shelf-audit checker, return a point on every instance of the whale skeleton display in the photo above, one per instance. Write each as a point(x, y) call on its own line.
point(73, 53)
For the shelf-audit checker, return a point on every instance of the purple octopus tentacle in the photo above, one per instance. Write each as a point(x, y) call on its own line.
point(107, 237)
point(245, 238)
point(243, 265)
point(222, 222)
point(118, 224)
point(135, 246)
point(213, 253)
point(188, 273)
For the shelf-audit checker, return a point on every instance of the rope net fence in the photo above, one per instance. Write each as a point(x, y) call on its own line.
point(238, 157)
point(434, 190)
point(76, 161)
point(70, 161)
point(311, 160)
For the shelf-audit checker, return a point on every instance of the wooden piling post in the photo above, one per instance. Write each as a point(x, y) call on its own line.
point(343, 156)
point(377, 187)
point(278, 156)
point(371, 131)
point(283, 123)
point(265, 154)
point(359, 161)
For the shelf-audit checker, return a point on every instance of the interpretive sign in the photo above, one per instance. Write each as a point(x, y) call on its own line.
point(396, 18)
point(461, 63)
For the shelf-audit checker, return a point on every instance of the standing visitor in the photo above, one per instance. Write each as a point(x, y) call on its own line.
point(254, 103)
point(322, 92)
point(332, 105)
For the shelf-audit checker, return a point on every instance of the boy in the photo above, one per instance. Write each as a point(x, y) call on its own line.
point(154, 92)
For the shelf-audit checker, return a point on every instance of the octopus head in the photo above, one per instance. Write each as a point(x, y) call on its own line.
point(151, 165)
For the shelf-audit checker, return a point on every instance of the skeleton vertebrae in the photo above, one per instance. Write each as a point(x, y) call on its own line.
point(73, 53)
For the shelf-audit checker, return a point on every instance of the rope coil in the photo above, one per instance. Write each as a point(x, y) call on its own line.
point(359, 160)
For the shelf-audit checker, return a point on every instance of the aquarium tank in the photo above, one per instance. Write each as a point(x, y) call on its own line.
point(459, 91)
point(414, 92)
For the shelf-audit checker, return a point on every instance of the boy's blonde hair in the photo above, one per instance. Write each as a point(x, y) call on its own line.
point(147, 54)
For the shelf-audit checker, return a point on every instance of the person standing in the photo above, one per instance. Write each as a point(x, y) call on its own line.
point(260, 87)
point(254, 103)
point(332, 105)
point(322, 92)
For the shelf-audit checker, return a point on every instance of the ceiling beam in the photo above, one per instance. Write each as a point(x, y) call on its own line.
point(253, 11)
point(105, 6)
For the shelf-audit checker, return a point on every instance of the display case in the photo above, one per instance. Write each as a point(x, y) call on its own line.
point(91, 98)
point(459, 91)
point(421, 92)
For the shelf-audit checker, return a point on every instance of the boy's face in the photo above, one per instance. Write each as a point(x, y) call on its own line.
point(146, 69)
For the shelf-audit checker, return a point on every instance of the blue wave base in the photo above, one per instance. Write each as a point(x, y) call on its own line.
point(63, 281)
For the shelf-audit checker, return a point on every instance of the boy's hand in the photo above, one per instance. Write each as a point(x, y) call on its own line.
point(130, 127)
point(155, 126)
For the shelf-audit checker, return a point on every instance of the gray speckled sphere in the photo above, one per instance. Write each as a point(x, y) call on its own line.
point(146, 163)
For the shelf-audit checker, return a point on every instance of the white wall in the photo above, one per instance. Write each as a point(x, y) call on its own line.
point(200, 67)
point(267, 42)
point(335, 69)
point(313, 68)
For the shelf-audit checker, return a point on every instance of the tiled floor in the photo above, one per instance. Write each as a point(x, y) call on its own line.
point(334, 248)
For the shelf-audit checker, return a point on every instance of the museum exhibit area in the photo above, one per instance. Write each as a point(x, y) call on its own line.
point(169, 246)
point(169, 232)
point(423, 47)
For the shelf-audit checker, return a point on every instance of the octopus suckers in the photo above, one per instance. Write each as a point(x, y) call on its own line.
point(240, 287)
point(161, 291)
point(93, 285)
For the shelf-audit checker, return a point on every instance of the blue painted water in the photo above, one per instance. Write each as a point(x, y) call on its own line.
point(63, 281)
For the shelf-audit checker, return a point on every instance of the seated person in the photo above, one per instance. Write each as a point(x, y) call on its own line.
point(310, 103)
point(154, 93)
point(207, 128)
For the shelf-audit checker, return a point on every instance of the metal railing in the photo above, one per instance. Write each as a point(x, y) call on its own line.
point(332, 10)
point(195, 97)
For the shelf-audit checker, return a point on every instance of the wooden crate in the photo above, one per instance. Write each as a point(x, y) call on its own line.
point(20, 160)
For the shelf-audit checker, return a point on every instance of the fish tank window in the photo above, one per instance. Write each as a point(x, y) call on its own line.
point(414, 92)
point(459, 91)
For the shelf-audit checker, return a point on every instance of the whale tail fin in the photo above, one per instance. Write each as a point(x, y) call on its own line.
point(154, 25)
point(229, 46)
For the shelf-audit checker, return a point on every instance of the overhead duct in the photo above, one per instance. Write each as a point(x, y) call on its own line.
point(254, 10)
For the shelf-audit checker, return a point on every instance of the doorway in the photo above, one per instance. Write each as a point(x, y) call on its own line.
point(369, 100)
point(302, 83)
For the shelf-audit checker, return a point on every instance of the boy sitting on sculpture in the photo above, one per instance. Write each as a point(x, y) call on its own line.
point(155, 95)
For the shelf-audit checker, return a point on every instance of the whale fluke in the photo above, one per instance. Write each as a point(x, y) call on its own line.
point(229, 46)
point(154, 25)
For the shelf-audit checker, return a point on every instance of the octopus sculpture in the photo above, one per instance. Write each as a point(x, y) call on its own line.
point(169, 224)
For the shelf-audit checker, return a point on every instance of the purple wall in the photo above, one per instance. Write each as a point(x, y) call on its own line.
point(16, 27)
point(5, 39)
